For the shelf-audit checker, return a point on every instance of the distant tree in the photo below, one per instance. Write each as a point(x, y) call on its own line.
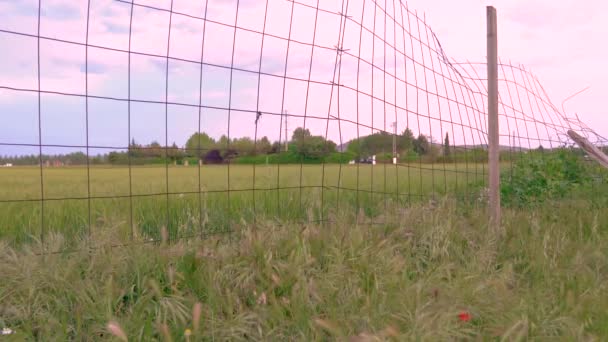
point(422, 145)
point(299, 134)
point(299, 139)
point(373, 144)
point(97, 160)
point(309, 146)
point(354, 147)
point(75, 158)
point(243, 146)
point(199, 144)
point(446, 145)
point(263, 146)
point(154, 150)
point(316, 147)
point(223, 143)
point(406, 141)
point(276, 147)
point(135, 150)
point(113, 157)
point(174, 153)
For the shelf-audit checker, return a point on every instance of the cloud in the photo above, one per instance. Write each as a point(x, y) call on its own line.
point(115, 28)
point(94, 68)
point(21, 8)
point(60, 11)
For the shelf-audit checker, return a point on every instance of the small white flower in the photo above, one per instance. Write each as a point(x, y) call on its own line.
point(7, 331)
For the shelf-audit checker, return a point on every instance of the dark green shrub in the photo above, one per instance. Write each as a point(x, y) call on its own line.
point(539, 176)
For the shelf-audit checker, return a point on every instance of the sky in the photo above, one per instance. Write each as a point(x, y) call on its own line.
point(388, 68)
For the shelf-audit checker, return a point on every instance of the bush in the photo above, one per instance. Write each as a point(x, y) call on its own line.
point(340, 158)
point(537, 176)
point(408, 156)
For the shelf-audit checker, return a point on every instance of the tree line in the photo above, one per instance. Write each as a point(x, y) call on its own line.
point(302, 147)
point(406, 146)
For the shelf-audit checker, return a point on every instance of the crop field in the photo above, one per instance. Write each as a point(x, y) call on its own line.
point(228, 195)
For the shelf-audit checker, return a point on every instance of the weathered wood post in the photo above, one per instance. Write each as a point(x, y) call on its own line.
point(493, 132)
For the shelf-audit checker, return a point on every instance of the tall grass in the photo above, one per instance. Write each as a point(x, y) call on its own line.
point(544, 276)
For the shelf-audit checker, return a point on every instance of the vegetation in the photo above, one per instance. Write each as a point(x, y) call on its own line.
point(545, 175)
point(382, 142)
point(290, 193)
point(292, 157)
point(302, 148)
point(401, 253)
point(430, 272)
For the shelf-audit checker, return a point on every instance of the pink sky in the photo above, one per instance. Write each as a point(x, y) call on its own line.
point(558, 42)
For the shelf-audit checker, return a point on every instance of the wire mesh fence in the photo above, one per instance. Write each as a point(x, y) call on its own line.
point(187, 117)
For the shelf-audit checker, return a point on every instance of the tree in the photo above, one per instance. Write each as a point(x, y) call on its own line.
point(198, 144)
point(243, 146)
point(154, 150)
point(263, 146)
point(422, 145)
point(354, 147)
point(135, 150)
point(114, 157)
point(309, 146)
point(446, 145)
point(372, 144)
point(406, 141)
point(276, 147)
point(316, 147)
point(174, 153)
point(299, 134)
point(300, 140)
point(223, 143)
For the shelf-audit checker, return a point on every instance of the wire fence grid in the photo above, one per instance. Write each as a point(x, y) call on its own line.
point(188, 117)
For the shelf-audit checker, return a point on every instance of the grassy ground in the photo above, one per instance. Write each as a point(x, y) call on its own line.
point(288, 193)
point(544, 276)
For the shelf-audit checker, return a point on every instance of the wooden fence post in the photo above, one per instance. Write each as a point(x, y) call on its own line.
point(588, 147)
point(493, 132)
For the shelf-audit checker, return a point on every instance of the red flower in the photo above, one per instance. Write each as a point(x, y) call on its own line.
point(464, 316)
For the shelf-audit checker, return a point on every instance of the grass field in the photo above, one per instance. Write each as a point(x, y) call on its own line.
point(287, 193)
point(544, 277)
point(348, 253)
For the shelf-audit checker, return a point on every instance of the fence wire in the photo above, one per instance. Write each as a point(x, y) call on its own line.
point(192, 116)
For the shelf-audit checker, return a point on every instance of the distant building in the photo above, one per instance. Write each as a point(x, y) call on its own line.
point(8, 165)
